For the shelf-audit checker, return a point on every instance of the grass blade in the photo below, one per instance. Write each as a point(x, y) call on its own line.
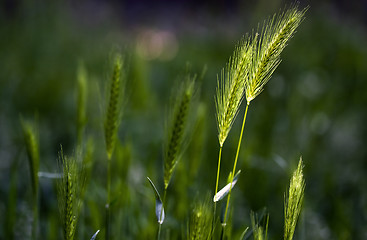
point(94, 235)
point(225, 190)
point(31, 139)
point(159, 209)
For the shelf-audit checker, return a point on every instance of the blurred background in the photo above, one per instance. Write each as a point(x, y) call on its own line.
point(314, 106)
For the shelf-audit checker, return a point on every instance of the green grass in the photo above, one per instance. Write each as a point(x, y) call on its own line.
point(248, 70)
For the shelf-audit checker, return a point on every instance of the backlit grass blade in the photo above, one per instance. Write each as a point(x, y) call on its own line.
point(159, 209)
point(94, 235)
point(225, 190)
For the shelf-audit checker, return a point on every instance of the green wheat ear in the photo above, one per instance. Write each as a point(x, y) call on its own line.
point(199, 227)
point(231, 87)
point(274, 36)
point(293, 202)
point(68, 195)
point(114, 107)
point(176, 129)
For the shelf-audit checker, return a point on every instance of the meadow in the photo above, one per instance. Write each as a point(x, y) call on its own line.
point(104, 123)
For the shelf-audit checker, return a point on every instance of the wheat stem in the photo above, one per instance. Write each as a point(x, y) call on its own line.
point(235, 164)
point(216, 187)
point(164, 204)
point(107, 206)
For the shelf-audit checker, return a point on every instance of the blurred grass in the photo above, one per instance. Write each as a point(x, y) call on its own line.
point(314, 106)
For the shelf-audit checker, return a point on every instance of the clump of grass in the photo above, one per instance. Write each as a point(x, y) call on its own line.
point(68, 195)
point(31, 139)
point(176, 129)
point(199, 227)
point(293, 201)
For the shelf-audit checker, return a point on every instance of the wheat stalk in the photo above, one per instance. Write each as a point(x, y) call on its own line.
point(112, 120)
point(266, 57)
point(229, 96)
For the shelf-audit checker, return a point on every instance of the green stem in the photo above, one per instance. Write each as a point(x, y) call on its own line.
point(216, 188)
point(222, 232)
point(35, 215)
point(235, 164)
point(107, 236)
point(164, 204)
point(159, 232)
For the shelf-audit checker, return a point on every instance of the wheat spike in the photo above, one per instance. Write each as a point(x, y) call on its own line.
point(200, 222)
point(274, 37)
point(113, 108)
point(231, 88)
point(177, 129)
point(293, 203)
point(68, 195)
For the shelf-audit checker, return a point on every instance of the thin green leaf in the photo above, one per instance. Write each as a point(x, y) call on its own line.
point(244, 233)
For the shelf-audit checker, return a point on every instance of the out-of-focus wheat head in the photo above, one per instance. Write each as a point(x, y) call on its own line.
point(69, 195)
point(113, 111)
point(176, 128)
